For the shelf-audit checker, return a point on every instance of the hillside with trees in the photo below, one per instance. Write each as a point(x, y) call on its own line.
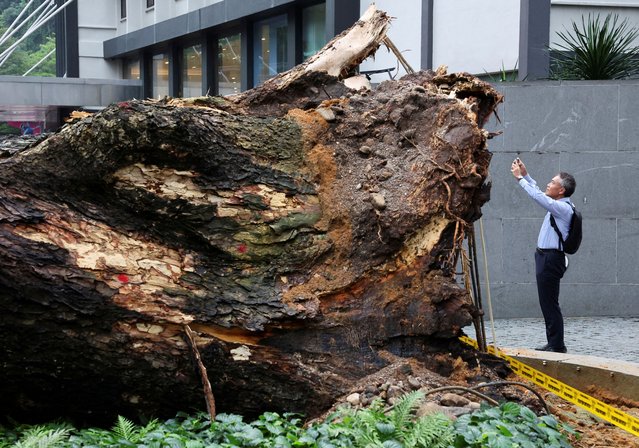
point(31, 50)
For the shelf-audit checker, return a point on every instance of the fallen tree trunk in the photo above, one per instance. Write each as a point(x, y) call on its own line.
point(303, 231)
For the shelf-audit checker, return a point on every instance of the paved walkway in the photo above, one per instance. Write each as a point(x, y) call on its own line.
point(607, 337)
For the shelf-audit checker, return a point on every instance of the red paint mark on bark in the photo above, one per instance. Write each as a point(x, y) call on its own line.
point(123, 278)
point(242, 248)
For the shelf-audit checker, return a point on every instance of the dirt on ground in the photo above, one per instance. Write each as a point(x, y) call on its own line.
point(593, 431)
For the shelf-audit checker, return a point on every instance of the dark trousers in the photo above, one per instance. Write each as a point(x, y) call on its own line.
point(550, 267)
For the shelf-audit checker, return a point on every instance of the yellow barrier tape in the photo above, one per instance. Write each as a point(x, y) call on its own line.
point(600, 409)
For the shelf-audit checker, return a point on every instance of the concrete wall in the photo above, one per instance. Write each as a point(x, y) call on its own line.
point(469, 36)
point(564, 12)
point(472, 37)
point(589, 129)
point(466, 34)
point(73, 92)
point(97, 23)
point(460, 40)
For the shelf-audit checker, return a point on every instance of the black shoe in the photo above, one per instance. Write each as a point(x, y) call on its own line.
point(548, 348)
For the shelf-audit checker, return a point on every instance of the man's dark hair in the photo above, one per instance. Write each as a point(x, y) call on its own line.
point(568, 182)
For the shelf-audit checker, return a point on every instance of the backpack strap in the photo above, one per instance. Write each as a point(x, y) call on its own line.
point(554, 226)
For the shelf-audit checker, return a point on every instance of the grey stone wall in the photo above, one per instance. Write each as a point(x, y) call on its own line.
point(591, 130)
point(74, 92)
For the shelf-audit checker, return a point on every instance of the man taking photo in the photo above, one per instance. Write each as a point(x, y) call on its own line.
point(550, 260)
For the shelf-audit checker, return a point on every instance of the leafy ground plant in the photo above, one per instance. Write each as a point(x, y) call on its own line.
point(504, 74)
point(397, 428)
point(37, 437)
point(596, 49)
point(509, 425)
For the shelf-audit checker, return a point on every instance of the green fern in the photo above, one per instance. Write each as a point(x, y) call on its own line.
point(42, 437)
point(432, 431)
point(403, 410)
point(372, 428)
point(126, 430)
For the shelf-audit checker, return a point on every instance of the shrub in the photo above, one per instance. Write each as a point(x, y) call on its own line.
point(509, 425)
point(596, 50)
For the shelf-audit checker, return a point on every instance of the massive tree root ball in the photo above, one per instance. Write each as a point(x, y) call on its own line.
point(305, 232)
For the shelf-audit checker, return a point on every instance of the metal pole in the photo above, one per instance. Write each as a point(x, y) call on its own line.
point(5, 54)
point(43, 17)
point(475, 277)
point(490, 304)
point(478, 316)
point(14, 22)
point(25, 21)
point(39, 62)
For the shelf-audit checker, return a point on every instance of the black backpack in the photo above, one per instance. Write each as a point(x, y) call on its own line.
point(571, 245)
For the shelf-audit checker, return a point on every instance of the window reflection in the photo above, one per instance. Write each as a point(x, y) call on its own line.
point(270, 48)
point(313, 29)
point(191, 72)
point(160, 75)
point(229, 51)
point(131, 69)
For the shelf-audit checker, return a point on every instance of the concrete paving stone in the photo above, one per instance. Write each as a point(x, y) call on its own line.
point(606, 337)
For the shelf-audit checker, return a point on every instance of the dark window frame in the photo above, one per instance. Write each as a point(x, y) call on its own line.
point(240, 30)
point(289, 57)
point(123, 9)
point(179, 63)
point(126, 63)
point(209, 40)
point(150, 4)
point(168, 52)
point(299, 29)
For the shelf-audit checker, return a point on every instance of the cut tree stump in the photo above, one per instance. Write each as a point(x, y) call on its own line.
point(303, 231)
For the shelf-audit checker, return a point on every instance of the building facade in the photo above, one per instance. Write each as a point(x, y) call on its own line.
point(188, 48)
point(195, 47)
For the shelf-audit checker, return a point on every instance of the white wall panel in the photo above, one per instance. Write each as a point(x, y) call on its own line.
point(563, 14)
point(405, 32)
point(476, 36)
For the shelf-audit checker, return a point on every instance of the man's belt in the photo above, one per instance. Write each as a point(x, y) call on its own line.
point(542, 251)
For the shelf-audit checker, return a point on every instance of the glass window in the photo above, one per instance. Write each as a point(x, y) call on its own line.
point(123, 9)
point(150, 3)
point(270, 48)
point(229, 75)
point(131, 69)
point(160, 75)
point(313, 29)
point(191, 72)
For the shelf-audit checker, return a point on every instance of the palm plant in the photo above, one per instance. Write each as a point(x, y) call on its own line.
point(596, 50)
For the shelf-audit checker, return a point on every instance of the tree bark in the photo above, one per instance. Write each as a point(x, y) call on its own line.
point(302, 230)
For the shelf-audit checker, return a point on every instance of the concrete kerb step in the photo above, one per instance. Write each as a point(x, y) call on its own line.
point(582, 371)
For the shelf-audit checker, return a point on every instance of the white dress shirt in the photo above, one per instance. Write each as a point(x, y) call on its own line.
point(559, 208)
